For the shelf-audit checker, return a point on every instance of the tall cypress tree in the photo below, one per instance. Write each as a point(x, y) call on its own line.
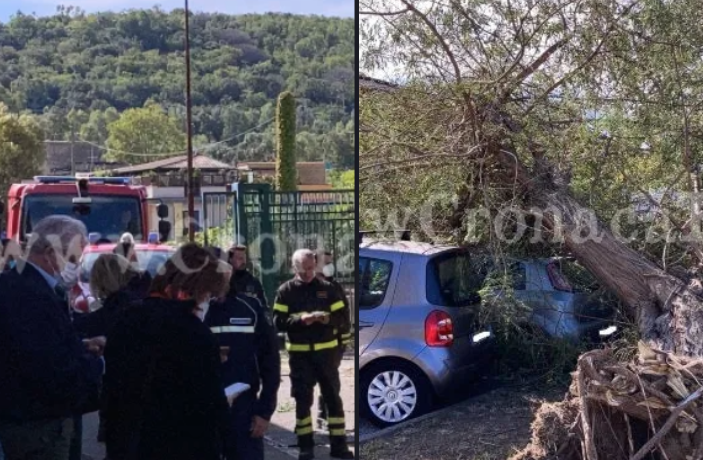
point(286, 172)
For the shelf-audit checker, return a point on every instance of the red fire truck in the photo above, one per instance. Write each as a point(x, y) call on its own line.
point(109, 206)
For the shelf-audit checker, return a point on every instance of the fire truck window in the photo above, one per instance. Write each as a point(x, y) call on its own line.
point(111, 216)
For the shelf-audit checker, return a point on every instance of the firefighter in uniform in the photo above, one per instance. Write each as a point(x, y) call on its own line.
point(310, 311)
point(246, 335)
point(242, 280)
point(325, 265)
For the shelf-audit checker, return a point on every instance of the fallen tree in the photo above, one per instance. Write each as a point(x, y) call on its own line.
point(494, 104)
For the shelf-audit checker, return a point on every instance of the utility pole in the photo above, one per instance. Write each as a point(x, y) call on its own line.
point(73, 143)
point(189, 130)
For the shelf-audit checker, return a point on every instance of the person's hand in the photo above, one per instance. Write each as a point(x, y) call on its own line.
point(259, 426)
point(224, 354)
point(325, 318)
point(308, 318)
point(95, 345)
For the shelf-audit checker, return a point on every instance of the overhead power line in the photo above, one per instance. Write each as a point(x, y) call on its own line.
point(183, 152)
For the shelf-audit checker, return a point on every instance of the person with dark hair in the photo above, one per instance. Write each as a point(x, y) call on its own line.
point(243, 282)
point(163, 397)
point(245, 331)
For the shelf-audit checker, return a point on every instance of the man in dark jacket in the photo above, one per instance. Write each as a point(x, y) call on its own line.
point(310, 311)
point(243, 281)
point(244, 327)
point(46, 374)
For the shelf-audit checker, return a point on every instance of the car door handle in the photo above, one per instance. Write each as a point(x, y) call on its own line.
point(364, 325)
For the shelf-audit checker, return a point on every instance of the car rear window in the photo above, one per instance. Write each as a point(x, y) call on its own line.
point(453, 281)
point(374, 277)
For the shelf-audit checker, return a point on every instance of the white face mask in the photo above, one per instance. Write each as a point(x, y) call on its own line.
point(328, 270)
point(69, 275)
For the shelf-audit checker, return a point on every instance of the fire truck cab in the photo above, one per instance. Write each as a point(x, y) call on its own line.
point(108, 206)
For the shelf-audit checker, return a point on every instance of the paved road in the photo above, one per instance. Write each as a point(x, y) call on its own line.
point(280, 438)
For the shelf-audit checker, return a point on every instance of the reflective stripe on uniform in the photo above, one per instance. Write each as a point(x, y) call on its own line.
point(280, 307)
point(337, 306)
point(304, 426)
point(224, 329)
point(338, 432)
point(335, 420)
point(313, 347)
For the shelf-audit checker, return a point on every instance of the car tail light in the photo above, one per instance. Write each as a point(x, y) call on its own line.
point(439, 329)
point(558, 279)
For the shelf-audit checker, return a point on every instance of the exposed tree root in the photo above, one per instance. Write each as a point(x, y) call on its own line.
point(648, 408)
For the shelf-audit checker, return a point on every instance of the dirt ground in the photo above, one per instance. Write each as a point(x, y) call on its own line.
point(487, 427)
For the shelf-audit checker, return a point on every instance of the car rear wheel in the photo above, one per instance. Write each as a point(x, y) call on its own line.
point(394, 392)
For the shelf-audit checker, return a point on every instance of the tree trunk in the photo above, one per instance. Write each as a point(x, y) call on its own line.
point(668, 311)
point(620, 410)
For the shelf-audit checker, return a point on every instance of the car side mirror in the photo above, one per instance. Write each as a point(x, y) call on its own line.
point(164, 230)
point(162, 211)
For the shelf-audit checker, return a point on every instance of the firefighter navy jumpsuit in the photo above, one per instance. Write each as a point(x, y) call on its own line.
point(245, 326)
point(313, 351)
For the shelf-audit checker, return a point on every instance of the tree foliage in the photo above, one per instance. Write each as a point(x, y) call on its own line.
point(606, 93)
point(286, 170)
point(110, 62)
point(21, 148)
point(144, 131)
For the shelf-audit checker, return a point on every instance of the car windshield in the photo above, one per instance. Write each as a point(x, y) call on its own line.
point(148, 260)
point(111, 216)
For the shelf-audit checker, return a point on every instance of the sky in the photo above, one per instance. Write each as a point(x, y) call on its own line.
point(344, 8)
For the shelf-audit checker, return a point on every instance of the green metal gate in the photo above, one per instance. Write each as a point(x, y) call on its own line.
point(274, 225)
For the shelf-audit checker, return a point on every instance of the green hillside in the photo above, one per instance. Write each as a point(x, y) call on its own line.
point(77, 71)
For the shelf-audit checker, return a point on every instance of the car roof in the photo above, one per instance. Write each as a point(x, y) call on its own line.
point(406, 247)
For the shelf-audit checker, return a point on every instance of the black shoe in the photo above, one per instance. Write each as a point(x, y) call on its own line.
point(306, 454)
point(342, 453)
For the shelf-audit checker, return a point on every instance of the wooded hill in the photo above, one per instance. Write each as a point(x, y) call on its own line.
point(78, 71)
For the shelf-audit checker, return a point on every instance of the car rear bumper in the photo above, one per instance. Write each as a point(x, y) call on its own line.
point(449, 369)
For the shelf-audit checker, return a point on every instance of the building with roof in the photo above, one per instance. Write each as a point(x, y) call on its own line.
point(166, 182)
point(312, 175)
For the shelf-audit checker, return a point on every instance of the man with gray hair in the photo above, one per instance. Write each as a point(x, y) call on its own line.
point(310, 310)
point(46, 373)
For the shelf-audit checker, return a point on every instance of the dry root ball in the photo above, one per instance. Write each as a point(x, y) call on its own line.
point(551, 431)
point(651, 407)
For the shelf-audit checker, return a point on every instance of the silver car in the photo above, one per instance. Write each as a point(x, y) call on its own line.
point(418, 337)
point(561, 298)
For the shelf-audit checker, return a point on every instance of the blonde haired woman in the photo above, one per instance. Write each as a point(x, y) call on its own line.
point(110, 279)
